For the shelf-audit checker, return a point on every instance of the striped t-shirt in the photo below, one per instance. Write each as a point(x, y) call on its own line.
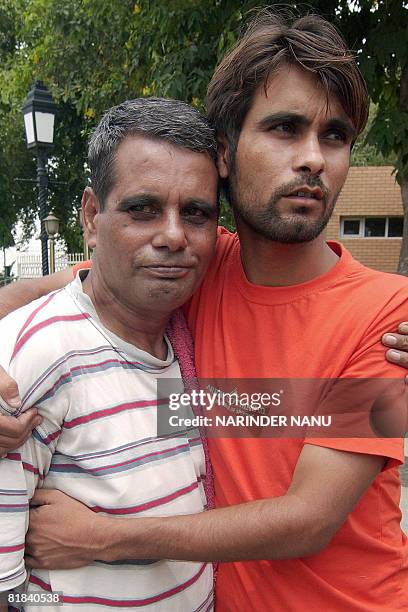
point(98, 443)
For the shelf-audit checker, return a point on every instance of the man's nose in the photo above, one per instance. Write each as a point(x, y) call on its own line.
point(170, 233)
point(309, 156)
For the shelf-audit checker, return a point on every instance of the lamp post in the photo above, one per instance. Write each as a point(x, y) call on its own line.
point(39, 112)
point(51, 224)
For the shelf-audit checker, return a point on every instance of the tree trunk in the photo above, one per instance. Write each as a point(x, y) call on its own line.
point(403, 104)
point(403, 260)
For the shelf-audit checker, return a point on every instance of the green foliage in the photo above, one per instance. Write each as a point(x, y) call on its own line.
point(378, 31)
point(226, 218)
point(366, 154)
point(12, 148)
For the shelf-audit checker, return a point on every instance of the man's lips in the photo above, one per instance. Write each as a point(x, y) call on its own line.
point(305, 194)
point(166, 271)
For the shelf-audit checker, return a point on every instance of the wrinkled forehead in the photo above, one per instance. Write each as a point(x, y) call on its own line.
point(150, 165)
point(144, 152)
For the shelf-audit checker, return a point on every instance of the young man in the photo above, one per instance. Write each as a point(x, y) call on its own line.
point(90, 355)
point(317, 519)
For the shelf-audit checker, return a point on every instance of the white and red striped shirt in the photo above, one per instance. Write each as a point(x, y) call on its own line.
point(98, 443)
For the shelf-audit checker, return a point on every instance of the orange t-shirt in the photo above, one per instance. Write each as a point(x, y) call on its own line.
point(328, 327)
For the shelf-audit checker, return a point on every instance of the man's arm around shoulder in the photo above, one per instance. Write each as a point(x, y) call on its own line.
point(326, 486)
point(23, 292)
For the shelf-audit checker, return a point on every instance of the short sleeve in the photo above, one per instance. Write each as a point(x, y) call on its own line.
point(368, 362)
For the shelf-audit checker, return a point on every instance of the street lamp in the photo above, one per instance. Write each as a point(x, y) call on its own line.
point(51, 224)
point(39, 112)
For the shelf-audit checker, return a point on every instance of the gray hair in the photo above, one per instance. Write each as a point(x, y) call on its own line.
point(173, 121)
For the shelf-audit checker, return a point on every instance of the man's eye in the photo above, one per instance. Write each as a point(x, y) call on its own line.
point(337, 135)
point(195, 214)
point(284, 128)
point(142, 209)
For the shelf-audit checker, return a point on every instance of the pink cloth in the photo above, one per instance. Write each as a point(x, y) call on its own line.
point(182, 343)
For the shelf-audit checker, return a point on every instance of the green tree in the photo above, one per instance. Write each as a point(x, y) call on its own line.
point(366, 154)
point(93, 54)
point(13, 162)
point(378, 30)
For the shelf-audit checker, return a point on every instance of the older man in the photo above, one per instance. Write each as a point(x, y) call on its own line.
point(302, 523)
point(89, 357)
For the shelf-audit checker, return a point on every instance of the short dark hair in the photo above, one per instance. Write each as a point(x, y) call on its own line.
point(173, 121)
point(271, 40)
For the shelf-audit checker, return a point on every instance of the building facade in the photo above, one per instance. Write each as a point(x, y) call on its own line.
point(368, 217)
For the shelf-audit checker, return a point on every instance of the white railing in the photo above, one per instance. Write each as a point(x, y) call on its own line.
point(29, 264)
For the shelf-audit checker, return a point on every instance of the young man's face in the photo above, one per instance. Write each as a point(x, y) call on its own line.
point(292, 159)
point(156, 234)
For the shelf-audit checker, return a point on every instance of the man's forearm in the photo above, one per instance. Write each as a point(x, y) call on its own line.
point(15, 295)
point(266, 529)
point(325, 488)
point(23, 292)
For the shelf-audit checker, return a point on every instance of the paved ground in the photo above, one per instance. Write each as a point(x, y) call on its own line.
point(404, 490)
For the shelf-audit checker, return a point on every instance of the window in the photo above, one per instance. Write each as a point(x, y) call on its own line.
point(351, 227)
point(395, 227)
point(371, 227)
point(374, 227)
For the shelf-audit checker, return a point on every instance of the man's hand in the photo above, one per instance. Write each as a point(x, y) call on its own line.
point(9, 390)
point(61, 532)
point(398, 343)
point(14, 432)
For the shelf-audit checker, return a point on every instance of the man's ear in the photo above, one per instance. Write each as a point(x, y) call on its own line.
point(91, 208)
point(223, 157)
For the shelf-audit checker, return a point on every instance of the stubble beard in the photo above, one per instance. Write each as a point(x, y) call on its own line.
point(269, 222)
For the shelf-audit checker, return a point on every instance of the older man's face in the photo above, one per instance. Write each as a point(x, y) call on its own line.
point(156, 234)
